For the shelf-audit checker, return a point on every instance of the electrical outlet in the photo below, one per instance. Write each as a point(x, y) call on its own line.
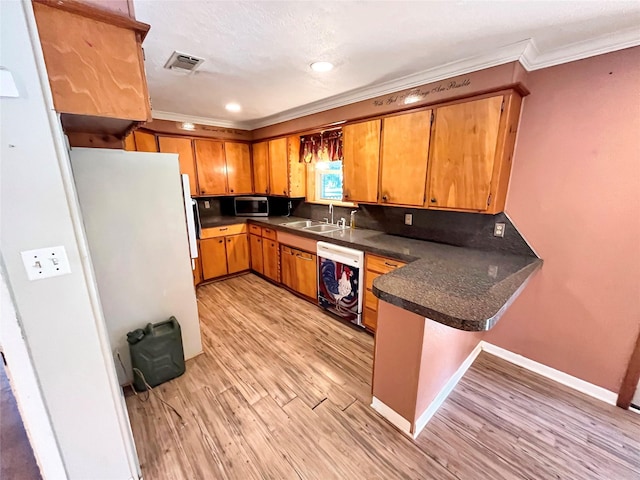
point(408, 219)
point(493, 271)
point(207, 204)
point(498, 230)
point(45, 262)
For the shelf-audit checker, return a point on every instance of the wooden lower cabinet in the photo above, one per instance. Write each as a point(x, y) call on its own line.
point(374, 267)
point(224, 255)
point(270, 259)
point(214, 258)
point(306, 274)
point(298, 271)
point(197, 271)
point(237, 253)
point(255, 244)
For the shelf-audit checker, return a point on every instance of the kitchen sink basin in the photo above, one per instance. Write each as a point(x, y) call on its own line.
point(302, 224)
point(323, 228)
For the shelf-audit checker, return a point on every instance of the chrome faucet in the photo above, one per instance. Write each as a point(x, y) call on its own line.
point(342, 223)
point(331, 212)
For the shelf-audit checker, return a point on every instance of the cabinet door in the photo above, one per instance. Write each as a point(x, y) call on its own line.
point(181, 146)
point(130, 143)
point(213, 257)
point(145, 142)
point(463, 154)
point(297, 169)
point(361, 155)
point(288, 267)
point(212, 170)
point(238, 168)
point(261, 167)
point(270, 259)
point(278, 172)
point(256, 253)
point(197, 272)
point(306, 274)
point(237, 253)
point(405, 152)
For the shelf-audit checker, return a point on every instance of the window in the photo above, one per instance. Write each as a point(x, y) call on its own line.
point(329, 180)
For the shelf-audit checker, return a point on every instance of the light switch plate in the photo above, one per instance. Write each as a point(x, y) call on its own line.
point(45, 262)
point(408, 219)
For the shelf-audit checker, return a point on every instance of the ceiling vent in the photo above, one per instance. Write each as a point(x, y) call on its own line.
point(181, 62)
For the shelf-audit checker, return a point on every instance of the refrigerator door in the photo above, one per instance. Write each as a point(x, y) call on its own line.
point(133, 209)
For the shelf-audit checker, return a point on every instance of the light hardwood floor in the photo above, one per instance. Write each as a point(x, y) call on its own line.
point(283, 391)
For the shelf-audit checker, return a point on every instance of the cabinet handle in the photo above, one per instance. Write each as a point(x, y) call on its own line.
point(384, 198)
point(346, 195)
point(304, 258)
point(231, 190)
point(223, 229)
point(433, 200)
point(220, 241)
point(391, 264)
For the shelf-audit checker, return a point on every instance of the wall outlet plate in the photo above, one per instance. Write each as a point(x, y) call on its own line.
point(408, 219)
point(45, 262)
point(498, 230)
point(207, 204)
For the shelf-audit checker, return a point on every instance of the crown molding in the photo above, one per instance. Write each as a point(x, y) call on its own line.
point(533, 59)
point(509, 53)
point(214, 122)
point(525, 51)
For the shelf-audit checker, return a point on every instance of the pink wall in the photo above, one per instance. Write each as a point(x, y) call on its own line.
point(575, 196)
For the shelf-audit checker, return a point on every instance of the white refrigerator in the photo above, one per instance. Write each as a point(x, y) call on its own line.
point(138, 217)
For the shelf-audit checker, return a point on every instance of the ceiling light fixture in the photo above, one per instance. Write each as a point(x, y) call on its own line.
point(187, 126)
point(233, 107)
point(321, 66)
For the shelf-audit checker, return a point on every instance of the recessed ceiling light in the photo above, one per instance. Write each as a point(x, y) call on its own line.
point(233, 107)
point(321, 66)
point(187, 126)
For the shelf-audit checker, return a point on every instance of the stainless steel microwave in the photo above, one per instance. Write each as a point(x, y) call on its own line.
point(251, 206)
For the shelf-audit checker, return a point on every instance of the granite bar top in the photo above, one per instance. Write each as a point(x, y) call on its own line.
point(463, 288)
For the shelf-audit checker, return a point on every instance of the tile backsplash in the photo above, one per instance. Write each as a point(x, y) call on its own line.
point(472, 230)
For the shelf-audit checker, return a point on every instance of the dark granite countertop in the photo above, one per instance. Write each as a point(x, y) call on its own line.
point(463, 288)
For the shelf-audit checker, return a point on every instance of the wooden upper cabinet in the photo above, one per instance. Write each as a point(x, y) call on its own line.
point(211, 167)
point(278, 171)
point(405, 152)
point(261, 167)
point(145, 142)
point(95, 66)
point(297, 169)
point(181, 146)
point(237, 253)
point(238, 168)
point(463, 154)
point(361, 161)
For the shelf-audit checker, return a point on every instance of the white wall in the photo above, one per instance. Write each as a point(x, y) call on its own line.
point(61, 319)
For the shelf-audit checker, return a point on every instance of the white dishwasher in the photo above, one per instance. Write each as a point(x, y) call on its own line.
point(341, 281)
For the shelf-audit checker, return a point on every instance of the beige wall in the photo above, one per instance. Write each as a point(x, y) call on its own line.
point(575, 196)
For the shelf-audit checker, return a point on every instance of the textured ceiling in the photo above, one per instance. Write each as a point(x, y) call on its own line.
point(258, 53)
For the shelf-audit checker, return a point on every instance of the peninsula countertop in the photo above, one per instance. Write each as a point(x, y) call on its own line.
point(461, 287)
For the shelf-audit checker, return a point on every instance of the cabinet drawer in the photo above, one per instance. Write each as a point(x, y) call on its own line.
point(269, 233)
point(382, 264)
point(223, 231)
point(255, 229)
point(370, 300)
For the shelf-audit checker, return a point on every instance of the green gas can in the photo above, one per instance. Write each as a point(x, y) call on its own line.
point(156, 353)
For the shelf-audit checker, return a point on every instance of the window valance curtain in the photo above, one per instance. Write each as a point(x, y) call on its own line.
point(321, 147)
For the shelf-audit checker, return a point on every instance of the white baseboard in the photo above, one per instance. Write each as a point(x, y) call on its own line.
point(394, 417)
point(570, 381)
point(446, 390)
